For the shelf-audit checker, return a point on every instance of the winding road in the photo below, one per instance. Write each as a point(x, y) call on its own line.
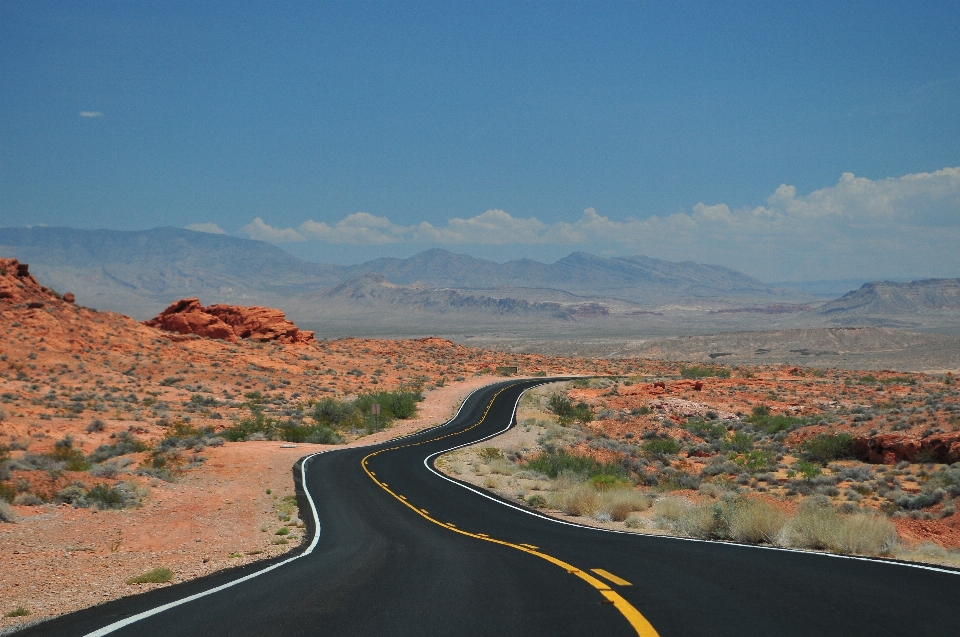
point(403, 550)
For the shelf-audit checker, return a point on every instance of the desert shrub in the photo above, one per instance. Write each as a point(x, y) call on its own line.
point(660, 447)
point(159, 575)
point(865, 534)
point(7, 513)
point(948, 479)
point(755, 521)
point(669, 510)
point(73, 494)
point(580, 499)
point(606, 482)
point(19, 611)
point(756, 460)
point(762, 419)
point(705, 430)
point(826, 447)
point(553, 464)
point(27, 499)
point(855, 474)
point(258, 423)
point(336, 414)
point(537, 501)
point(705, 371)
point(926, 498)
point(393, 404)
point(502, 466)
point(634, 521)
point(64, 452)
point(815, 525)
point(321, 435)
point(105, 497)
point(126, 443)
point(110, 468)
point(7, 492)
point(739, 441)
point(620, 503)
point(95, 426)
point(681, 480)
point(486, 454)
point(567, 412)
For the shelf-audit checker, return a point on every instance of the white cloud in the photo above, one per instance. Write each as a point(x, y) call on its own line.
point(259, 230)
point(91, 114)
point(212, 228)
point(908, 224)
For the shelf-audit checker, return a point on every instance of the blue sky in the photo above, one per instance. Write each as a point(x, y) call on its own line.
point(792, 142)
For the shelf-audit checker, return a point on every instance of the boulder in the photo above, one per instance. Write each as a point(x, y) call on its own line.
point(17, 285)
point(229, 322)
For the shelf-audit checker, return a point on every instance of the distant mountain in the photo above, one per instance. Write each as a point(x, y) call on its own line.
point(885, 298)
point(374, 292)
point(638, 278)
point(141, 272)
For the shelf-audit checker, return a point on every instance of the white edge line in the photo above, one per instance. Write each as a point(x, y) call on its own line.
point(426, 463)
point(106, 630)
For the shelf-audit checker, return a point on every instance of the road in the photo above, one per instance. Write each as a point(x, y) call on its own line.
point(404, 551)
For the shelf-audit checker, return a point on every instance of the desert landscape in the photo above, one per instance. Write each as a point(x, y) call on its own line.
point(137, 455)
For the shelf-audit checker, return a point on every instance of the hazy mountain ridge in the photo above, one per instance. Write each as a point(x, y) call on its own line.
point(898, 298)
point(141, 272)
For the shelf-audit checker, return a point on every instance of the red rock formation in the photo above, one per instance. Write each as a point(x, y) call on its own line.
point(17, 286)
point(229, 322)
point(892, 448)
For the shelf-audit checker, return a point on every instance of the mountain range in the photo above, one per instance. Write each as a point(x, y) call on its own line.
point(141, 272)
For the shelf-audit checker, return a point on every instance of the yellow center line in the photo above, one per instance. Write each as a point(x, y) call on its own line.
point(632, 615)
point(607, 575)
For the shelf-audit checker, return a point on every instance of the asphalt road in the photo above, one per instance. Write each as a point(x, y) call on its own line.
point(403, 551)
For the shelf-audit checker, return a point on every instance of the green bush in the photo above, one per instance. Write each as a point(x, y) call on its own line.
point(159, 575)
point(706, 430)
point(567, 412)
point(660, 447)
point(74, 459)
point(553, 464)
point(393, 404)
point(106, 497)
point(696, 371)
point(19, 611)
point(761, 418)
point(126, 443)
point(826, 447)
point(739, 441)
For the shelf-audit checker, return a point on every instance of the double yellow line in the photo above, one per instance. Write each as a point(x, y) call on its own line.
point(632, 615)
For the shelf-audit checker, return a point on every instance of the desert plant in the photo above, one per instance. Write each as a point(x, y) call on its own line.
point(117, 497)
point(698, 371)
point(19, 611)
point(580, 499)
point(7, 514)
point(826, 447)
point(660, 447)
point(73, 494)
point(537, 501)
point(553, 464)
point(95, 426)
point(27, 499)
point(620, 503)
point(864, 534)
point(815, 526)
point(159, 575)
point(755, 521)
point(486, 454)
point(126, 443)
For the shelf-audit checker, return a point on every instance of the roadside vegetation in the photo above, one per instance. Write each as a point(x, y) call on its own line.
point(763, 477)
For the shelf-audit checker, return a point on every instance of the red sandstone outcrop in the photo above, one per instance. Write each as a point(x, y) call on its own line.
point(229, 322)
point(892, 448)
point(17, 285)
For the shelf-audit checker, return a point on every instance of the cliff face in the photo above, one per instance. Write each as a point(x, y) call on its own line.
point(229, 322)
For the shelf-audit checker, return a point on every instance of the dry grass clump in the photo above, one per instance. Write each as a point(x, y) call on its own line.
point(502, 466)
point(817, 525)
point(756, 521)
point(579, 499)
point(620, 503)
point(7, 513)
point(159, 575)
point(584, 499)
